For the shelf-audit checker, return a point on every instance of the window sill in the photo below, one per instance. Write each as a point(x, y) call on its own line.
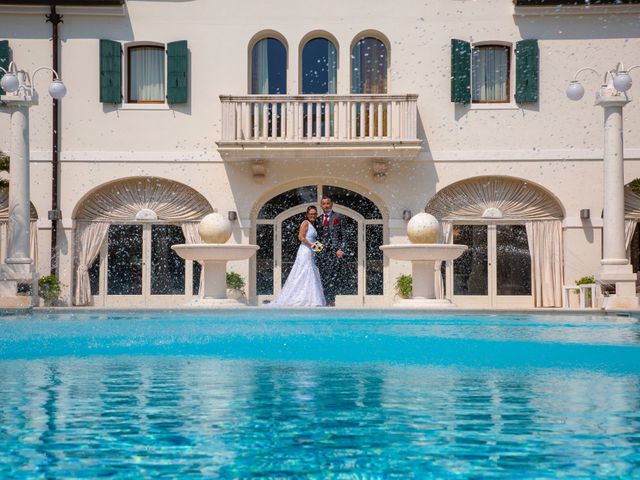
point(144, 106)
point(494, 106)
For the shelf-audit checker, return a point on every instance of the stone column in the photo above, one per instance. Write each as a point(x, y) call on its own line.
point(18, 265)
point(615, 266)
point(18, 251)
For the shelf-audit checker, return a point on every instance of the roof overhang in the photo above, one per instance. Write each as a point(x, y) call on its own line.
point(576, 7)
point(67, 7)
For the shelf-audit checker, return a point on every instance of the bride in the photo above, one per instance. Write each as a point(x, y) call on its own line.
point(303, 287)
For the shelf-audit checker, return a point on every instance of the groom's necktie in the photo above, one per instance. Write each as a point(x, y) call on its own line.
point(326, 220)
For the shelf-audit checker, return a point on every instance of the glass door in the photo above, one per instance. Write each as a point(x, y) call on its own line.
point(137, 267)
point(124, 264)
point(495, 271)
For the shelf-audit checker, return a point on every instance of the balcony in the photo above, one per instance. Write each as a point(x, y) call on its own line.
point(269, 127)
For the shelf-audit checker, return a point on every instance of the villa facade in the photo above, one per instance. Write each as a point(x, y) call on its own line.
point(176, 109)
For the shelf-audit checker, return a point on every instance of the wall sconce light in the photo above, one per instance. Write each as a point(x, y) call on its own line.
point(585, 214)
point(406, 215)
point(233, 216)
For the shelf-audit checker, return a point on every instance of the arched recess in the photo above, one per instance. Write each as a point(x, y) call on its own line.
point(370, 63)
point(33, 227)
point(123, 234)
point(268, 63)
point(278, 215)
point(514, 232)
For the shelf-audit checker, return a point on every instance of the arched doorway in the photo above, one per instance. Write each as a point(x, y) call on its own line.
point(513, 229)
point(277, 223)
point(123, 236)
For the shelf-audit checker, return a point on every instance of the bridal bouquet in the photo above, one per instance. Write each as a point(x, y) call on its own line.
point(317, 247)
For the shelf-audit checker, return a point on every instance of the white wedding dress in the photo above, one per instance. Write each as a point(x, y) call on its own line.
point(303, 287)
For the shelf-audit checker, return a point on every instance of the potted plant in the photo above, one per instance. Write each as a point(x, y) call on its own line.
point(586, 280)
point(49, 289)
point(404, 286)
point(235, 286)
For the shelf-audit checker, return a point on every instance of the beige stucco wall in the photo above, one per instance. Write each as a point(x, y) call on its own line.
point(555, 143)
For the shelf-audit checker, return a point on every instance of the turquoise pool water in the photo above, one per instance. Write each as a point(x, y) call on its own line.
point(328, 394)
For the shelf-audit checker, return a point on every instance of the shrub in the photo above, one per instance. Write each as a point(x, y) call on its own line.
point(404, 286)
point(49, 289)
point(235, 281)
point(586, 280)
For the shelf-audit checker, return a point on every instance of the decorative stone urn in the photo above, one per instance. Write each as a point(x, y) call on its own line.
point(423, 252)
point(214, 254)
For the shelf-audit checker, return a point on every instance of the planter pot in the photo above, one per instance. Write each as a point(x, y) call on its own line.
point(234, 294)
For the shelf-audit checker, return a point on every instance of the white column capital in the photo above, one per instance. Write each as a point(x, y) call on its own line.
point(19, 100)
point(607, 96)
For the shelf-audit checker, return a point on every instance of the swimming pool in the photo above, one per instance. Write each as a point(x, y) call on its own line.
point(325, 394)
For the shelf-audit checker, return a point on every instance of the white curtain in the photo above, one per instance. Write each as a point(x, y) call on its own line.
point(3, 241)
point(260, 68)
point(545, 247)
point(89, 239)
point(332, 66)
point(629, 230)
point(446, 237)
point(191, 235)
point(146, 73)
point(490, 70)
point(33, 243)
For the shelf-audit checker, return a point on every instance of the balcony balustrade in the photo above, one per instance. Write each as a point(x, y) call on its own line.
point(260, 127)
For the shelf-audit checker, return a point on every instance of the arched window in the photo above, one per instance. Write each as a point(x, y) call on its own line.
point(369, 66)
point(269, 67)
point(319, 66)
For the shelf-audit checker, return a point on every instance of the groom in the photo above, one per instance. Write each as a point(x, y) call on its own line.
point(331, 234)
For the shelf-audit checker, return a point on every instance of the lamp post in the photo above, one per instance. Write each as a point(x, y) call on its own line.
point(615, 266)
point(21, 96)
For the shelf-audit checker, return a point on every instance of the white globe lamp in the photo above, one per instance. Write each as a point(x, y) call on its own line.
point(423, 228)
point(575, 91)
point(622, 81)
point(215, 228)
point(57, 89)
point(10, 83)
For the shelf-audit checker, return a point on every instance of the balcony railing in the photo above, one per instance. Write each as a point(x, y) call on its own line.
point(296, 121)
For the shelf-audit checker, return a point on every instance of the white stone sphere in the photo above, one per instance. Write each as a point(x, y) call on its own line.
point(215, 228)
point(423, 228)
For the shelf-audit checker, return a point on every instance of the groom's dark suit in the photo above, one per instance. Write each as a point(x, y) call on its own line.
point(330, 229)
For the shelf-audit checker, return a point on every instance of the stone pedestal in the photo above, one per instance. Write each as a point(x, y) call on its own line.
point(423, 258)
point(214, 258)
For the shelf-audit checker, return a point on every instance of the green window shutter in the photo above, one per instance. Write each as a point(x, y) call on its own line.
point(110, 71)
point(527, 71)
point(5, 59)
point(460, 71)
point(177, 72)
